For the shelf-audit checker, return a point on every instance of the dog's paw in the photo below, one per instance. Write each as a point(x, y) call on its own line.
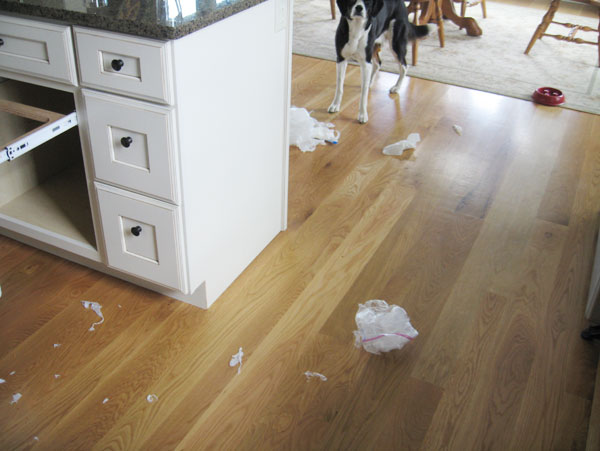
point(333, 108)
point(363, 118)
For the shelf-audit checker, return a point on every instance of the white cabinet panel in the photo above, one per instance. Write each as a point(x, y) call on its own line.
point(141, 236)
point(36, 48)
point(125, 64)
point(186, 172)
point(133, 144)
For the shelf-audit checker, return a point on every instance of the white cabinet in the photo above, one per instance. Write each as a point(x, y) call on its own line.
point(38, 49)
point(133, 144)
point(125, 64)
point(183, 157)
point(141, 235)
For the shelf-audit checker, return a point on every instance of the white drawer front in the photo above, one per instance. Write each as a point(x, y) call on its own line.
point(37, 48)
point(124, 64)
point(141, 237)
point(132, 144)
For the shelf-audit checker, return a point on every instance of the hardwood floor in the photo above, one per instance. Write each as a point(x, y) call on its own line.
point(486, 239)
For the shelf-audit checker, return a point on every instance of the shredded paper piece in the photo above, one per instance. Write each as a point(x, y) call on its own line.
point(398, 148)
point(310, 374)
point(236, 359)
point(151, 398)
point(97, 308)
point(0, 291)
point(457, 129)
point(16, 398)
point(382, 327)
point(12, 373)
point(2, 381)
point(36, 438)
point(56, 345)
point(105, 400)
point(56, 376)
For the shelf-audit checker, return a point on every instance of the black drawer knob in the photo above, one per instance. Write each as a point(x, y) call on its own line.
point(117, 64)
point(1, 42)
point(126, 141)
point(136, 230)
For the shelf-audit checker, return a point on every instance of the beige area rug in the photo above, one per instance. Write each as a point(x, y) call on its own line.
point(493, 62)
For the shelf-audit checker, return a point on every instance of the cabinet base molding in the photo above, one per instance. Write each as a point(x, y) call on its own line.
point(198, 298)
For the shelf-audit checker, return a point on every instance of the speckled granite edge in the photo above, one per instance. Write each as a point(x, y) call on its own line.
point(158, 31)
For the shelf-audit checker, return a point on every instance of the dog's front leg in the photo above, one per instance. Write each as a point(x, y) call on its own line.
point(340, 70)
point(365, 76)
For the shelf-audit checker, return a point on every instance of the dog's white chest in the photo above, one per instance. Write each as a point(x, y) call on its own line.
point(357, 41)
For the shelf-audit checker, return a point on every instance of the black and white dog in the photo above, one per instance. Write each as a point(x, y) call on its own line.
point(363, 26)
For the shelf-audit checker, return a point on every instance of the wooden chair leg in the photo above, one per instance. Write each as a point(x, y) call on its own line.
point(415, 50)
point(483, 10)
point(415, 44)
point(541, 29)
point(440, 21)
point(463, 8)
point(332, 9)
point(598, 37)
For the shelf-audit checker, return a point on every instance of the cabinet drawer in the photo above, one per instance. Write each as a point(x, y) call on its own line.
point(141, 236)
point(132, 144)
point(124, 64)
point(37, 48)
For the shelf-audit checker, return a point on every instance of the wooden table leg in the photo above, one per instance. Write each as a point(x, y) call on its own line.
point(463, 22)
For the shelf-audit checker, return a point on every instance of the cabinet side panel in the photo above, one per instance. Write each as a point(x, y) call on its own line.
point(231, 82)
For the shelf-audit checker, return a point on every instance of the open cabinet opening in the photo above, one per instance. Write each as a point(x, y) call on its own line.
point(44, 189)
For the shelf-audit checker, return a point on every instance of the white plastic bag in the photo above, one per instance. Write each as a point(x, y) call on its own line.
point(307, 133)
point(382, 327)
point(398, 148)
point(236, 359)
point(97, 308)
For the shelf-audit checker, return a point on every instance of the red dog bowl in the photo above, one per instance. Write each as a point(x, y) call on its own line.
point(548, 96)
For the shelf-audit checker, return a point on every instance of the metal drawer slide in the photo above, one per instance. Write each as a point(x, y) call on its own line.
point(53, 124)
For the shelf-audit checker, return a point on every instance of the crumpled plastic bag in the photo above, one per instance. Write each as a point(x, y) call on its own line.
point(382, 327)
point(307, 133)
point(398, 148)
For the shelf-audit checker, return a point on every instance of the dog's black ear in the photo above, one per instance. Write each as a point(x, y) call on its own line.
point(343, 6)
point(377, 5)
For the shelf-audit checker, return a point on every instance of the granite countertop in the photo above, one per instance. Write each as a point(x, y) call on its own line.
point(162, 19)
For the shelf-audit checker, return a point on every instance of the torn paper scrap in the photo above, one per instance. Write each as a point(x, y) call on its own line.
point(236, 359)
point(12, 373)
point(307, 133)
point(398, 148)
point(2, 381)
point(16, 398)
point(56, 376)
point(36, 438)
point(457, 129)
point(151, 398)
point(97, 308)
point(310, 374)
point(382, 327)
point(0, 291)
point(107, 399)
point(56, 345)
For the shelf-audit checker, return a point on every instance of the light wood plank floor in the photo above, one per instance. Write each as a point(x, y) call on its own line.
point(486, 239)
